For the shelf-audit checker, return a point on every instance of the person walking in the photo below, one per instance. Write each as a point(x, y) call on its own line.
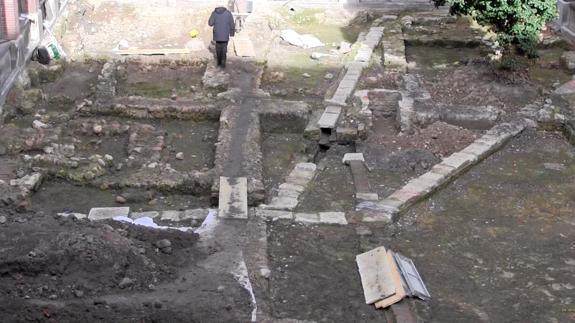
point(224, 27)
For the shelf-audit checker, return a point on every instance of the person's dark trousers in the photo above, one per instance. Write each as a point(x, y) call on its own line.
point(221, 52)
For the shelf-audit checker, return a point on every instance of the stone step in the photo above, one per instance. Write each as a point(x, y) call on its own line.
point(233, 200)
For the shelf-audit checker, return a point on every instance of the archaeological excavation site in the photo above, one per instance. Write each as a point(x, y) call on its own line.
point(351, 161)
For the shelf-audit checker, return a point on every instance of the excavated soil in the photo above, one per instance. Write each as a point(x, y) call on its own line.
point(55, 269)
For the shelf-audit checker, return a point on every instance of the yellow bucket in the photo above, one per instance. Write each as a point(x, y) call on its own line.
point(194, 33)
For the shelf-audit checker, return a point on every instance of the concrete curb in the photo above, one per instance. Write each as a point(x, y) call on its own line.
point(450, 168)
point(289, 192)
point(338, 218)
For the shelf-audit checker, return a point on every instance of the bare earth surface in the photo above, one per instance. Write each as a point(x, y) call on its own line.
point(494, 245)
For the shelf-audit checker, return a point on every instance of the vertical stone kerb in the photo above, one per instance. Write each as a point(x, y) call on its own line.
point(347, 85)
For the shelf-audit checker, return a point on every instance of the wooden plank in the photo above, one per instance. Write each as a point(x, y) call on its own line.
point(399, 290)
point(153, 51)
point(376, 277)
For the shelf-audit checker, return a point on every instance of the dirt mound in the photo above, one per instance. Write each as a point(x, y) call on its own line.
point(469, 84)
point(59, 258)
point(412, 161)
point(439, 138)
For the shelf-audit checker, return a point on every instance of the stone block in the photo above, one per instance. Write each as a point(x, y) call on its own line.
point(308, 167)
point(103, 213)
point(333, 218)
point(360, 176)
point(506, 130)
point(479, 149)
point(387, 206)
point(312, 130)
point(329, 117)
point(289, 193)
point(444, 170)
point(366, 196)
point(194, 214)
point(307, 217)
point(301, 181)
point(426, 183)
point(296, 173)
point(352, 156)
point(332, 109)
point(283, 203)
point(568, 60)
point(459, 161)
point(354, 68)
point(233, 198)
point(291, 187)
point(346, 134)
point(407, 196)
point(274, 214)
point(171, 215)
point(340, 101)
point(376, 212)
point(149, 214)
point(491, 140)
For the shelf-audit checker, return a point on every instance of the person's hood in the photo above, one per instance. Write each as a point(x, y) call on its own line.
point(220, 10)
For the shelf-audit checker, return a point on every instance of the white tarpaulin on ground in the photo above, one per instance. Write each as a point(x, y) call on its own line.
point(148, 222)
point(303, 41)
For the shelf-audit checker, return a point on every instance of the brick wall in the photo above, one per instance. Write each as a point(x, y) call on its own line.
point(9, 24)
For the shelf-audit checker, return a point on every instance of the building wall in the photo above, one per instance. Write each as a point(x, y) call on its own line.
point(22, 28)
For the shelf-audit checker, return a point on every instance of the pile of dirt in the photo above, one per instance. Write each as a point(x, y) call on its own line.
point(439, 138)
point(480, 82)
point(62, 258)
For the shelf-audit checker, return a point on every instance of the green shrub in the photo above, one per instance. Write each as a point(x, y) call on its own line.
point(515, 21)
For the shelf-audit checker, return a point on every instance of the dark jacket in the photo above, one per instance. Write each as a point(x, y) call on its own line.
point(223, 23)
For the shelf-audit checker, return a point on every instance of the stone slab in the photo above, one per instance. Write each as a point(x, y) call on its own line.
point(406, 196)
point(479, 149)
point(459, 161)
point(291, 187)
point(149, 214)
point(103, 213)
point(425, 183)
point(366, 196)
point(274, 214)
point(301, 181)
point(352, 156)
point(312, 130)
point(289, 193)
point(337, 101)
point(332, 109)
point(307, 217)
point(346, 134)
point(360, 177)
point(330, 117)
point(382, 211)
point(195, 214)
point(297, 173)
point(171, 215)
point(233, 198)
point(333, 218)
point(282, 203)
point(309, 167)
